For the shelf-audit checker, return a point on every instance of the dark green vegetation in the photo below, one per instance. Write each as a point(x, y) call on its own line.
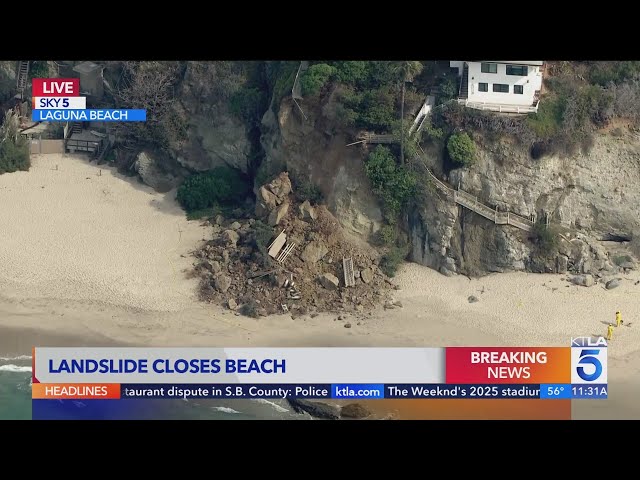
point(386, 236)
point(315, 78)
point(14, 156)
point(221, 186)
point(461, 149)
point(262, 236)
point(394, 184)
point(391, 260)
point(620, 259)
point(39, 69)
point(545, 238)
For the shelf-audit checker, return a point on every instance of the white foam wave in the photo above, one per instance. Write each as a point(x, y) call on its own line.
point(14, 368)
point(19, 357)
point(275, 406)
point(225, 409)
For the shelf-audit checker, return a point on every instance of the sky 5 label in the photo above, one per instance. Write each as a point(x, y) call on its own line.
point(588, 365)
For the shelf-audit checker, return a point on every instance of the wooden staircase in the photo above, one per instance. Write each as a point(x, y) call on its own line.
point(76, 127)
point(347, 268)
point(464, 83)
point(22, 77)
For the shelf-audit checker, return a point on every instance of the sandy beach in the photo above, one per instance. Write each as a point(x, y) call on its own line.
point(88, 256)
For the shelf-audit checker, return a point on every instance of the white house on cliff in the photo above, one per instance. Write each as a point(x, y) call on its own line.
point(499, 85)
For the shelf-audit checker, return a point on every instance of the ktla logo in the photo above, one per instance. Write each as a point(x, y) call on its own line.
point(588, 360)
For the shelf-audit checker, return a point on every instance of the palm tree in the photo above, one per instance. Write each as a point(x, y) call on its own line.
point(406, 71)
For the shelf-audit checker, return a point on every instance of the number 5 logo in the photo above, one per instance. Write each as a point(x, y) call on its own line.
point(587, 358)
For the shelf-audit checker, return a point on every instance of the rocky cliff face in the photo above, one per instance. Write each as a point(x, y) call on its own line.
point(213, 135)
point(314, 149)
point(589, 197)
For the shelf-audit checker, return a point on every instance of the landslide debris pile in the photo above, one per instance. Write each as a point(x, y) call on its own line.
point(237, 271)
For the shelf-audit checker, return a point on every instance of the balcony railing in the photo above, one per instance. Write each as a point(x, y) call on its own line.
point(501, 108)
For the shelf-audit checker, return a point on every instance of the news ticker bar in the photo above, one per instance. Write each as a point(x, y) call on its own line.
point(88, 115)
point(317, 391)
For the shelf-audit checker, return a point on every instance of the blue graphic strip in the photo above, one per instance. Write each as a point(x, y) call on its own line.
point(88, 115)
point(555, 391)
point(598, 391)
point(477, 391)
point(357, 390)
point(226, 391)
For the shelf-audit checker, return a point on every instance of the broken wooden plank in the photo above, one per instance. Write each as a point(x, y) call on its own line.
point(276, 245)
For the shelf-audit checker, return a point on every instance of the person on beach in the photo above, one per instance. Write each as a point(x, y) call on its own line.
point(618, 318)
point(609, 332)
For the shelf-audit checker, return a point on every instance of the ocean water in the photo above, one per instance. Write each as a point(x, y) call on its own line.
point(15, 387)
point(15, 401)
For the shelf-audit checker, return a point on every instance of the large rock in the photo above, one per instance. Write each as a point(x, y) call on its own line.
point(280, 186)
point(562, 263)
point(314, 252)
point(354, 410)
point(366, 275)
point(611, 284)
point(329, 281)
point(276, 216)
point(583, 280)
point(628, 265)
point(268, 199)
point(230, 237)
point(213, 266)
point(152, 173)
point(307, 212)
point(315, 409)
point(222, 283)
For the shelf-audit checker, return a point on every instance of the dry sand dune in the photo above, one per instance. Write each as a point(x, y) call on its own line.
point(79, 251)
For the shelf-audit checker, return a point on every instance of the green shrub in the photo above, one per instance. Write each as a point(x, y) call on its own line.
point(620, 259)
point(392, 183)
point(39, 69)
point(351, 72)
point(603, 73)
point(376, 110)
point(391, 260)
point(546, 122)
point(309, 191)
point(448, 89)
point(222, 185)
point(249, 104)
point(14, 156)
point(545, 238)
point(431, 132)
point(461, 149)
point(315, 78)
point(262, 235)
point(386, 235)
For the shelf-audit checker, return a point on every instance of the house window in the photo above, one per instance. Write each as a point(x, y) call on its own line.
point(489, 67)
point(501, 87)
point(483, 87)
point(519, 70)
point(518, 89)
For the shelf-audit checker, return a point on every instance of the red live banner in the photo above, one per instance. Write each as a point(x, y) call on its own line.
point(55, 87)
point(536, 365)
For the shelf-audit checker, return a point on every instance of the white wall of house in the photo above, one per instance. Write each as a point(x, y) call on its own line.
point(530, 83)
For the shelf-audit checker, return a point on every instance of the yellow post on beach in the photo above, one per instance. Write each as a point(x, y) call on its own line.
point(609, 332)
point(618, 319)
